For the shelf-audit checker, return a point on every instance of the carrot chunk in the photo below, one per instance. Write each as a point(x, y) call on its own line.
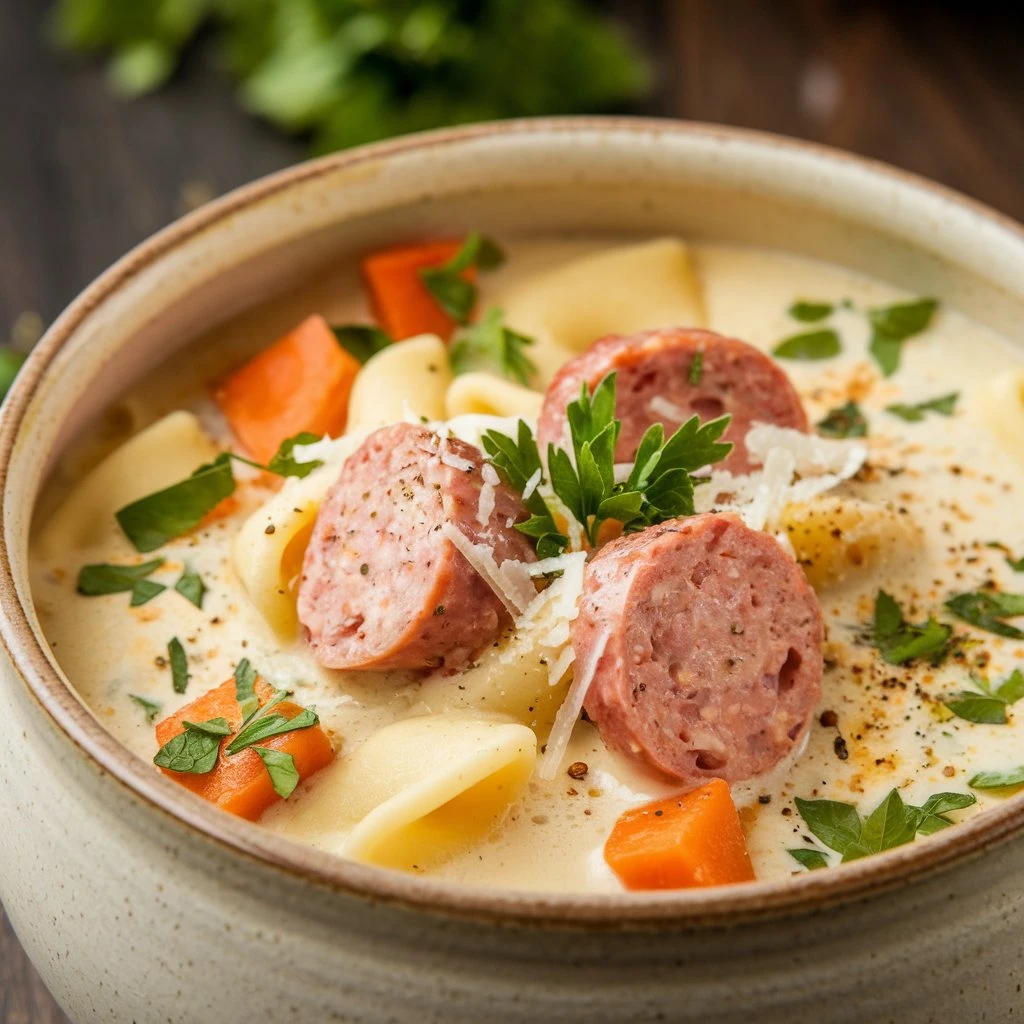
point(682, 842)
point(401, 303)
point(240, 782)
point(302, 382)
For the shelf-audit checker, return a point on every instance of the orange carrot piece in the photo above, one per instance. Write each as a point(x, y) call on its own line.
point(302, 382)
point(401, 303)
point(684, 841)
point(240, 782)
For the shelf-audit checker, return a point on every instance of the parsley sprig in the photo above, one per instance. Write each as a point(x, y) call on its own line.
point(490, 345)
point(152, 521)
point(899, 641)
point(987, 609)
point(446, 283)
point(659, 484)
point(892, 823)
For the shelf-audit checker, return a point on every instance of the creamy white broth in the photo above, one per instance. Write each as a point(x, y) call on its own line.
point(953, 476)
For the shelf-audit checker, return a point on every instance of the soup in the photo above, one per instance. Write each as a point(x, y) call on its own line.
point(749, 662)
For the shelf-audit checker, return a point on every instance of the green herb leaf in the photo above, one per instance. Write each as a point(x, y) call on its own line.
point(284, 776)
point(809, 858)
point(986, 610)
point(836, 824)
point(988, 706)
point(151, 707)
point(245, 689)
point(944, 406)
point(95, 580)
point(179, 665)
point(810, 312)
point(213, 726)
point(844, 421)
point(1016, 564)
point(193, 752)
point(489, 345)
point(889, 825)
point(892, 325)
point(811, 346)
point(453, 294)
point(266, 726)
point(191, 587)
point(362, 341)
point(998, 780)
point(899, 641)
point(10, 363)
point(284, 464)
point(696, 368)
point(934, 810)
point(157, 518)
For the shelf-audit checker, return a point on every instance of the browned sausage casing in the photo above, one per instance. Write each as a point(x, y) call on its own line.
point(381, 586)
point(712, 661)
point(734, 378)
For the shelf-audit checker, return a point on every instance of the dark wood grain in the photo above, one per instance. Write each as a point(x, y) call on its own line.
point(937, 88)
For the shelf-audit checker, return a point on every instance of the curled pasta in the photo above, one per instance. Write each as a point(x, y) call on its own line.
point(1001, 404)
point(423, 789)
point(488, 395)
point(619, 290)
point(160, 455)
point(406, 380)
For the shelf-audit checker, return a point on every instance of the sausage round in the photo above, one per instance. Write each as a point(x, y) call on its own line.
point(654, 385)
point(381, 586)
point(711, 661)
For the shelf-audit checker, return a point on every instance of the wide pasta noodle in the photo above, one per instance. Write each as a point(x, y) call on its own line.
point(406, 380)
point(268, 564)
point(161, 455)
point(616, 291)
point(488, 395)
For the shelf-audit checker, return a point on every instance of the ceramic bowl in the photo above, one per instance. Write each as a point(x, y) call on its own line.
point(139, 902)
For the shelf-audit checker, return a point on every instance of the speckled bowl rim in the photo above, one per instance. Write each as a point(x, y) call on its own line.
point(727, 906)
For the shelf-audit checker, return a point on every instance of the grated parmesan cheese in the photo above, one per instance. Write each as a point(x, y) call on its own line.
point(503, 581)
point(449, 458)
point(660, 406)
point(531, 485)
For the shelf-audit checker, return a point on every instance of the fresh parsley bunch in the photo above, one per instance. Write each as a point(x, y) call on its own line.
point(351, 71)
point(659, 484)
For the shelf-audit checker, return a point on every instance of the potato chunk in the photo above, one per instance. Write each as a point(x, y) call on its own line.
point(836, 539)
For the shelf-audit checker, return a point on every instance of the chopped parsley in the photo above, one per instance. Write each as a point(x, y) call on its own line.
point(892, 823)
point(810, 312)
point(944, 406)
point(263, 726)
point(245, 689)
point(813, 345)
point(191, 587)
point(844, 421)
point(987, 610)
point(284, 776)
point(450, 290)
point(152, 521)
point(899, 641)
point(998, 780)
point(658, 487)
point(809, 858)
point(361, 341)
point(95, 580)
point(1016, 564)
point(152, 708)
point(892, 325)
point(490, 345)
point(696, 368)
point(194, 751)
point(986, 705)
point(179, 665)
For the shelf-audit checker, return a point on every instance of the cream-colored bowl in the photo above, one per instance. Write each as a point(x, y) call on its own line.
point(139, 902)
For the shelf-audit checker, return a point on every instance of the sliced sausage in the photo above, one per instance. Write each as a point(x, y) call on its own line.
point(658, 382)
point(710, 644)
point(382, 587)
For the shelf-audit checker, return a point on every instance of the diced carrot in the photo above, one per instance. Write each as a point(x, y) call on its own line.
point(302, 382)
point(401, 303)
point(684, 841)
point(240, 783)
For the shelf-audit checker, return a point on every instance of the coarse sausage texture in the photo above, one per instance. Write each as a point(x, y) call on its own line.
point(382, 587)
point(658, 381)
point(712, 649)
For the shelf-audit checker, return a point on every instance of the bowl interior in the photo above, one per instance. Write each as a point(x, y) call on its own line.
point(543, 177)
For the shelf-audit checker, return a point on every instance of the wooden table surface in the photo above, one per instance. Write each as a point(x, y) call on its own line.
point(936, 87)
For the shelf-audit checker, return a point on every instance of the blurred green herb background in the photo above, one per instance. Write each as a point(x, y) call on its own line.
point(352, 71)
